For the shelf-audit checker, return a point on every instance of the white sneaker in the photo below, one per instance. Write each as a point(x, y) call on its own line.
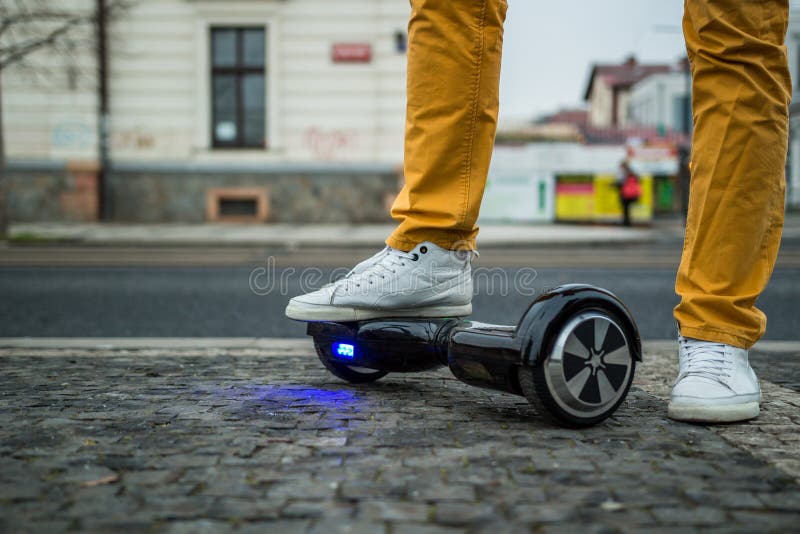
point(428, 281)
point(715, 384)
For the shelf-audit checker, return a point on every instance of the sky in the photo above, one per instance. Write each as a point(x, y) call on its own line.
point(549, 46)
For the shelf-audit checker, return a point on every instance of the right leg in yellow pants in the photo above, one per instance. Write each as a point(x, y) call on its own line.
point(741, 92)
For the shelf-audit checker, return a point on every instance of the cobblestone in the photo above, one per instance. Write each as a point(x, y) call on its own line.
point(773, 435)
point(252, 440)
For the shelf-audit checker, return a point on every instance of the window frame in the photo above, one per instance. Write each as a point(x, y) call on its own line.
point(239, 70)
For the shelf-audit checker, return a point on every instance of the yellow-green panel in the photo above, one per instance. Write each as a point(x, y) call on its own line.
point(607, 206)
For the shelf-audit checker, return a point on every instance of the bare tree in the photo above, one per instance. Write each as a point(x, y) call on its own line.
point(30, 26)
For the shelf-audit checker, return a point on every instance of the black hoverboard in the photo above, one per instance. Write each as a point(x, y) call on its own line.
point(572, 355)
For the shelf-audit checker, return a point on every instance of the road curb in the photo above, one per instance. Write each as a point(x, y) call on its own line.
point(273, 344)
point(309, 236)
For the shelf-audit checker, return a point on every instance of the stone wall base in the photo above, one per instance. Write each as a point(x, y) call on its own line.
point(69, 194)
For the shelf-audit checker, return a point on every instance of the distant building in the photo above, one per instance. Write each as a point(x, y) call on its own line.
point(578, 117)
point(566, 125)
point(661, 101)
point(609, 88)
point(290, 109)
point(793, 162)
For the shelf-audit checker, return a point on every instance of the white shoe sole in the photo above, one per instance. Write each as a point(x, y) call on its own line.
point(312, 312)
point(730, 413)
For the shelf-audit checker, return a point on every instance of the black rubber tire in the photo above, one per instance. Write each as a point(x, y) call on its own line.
point(345, 372)
point(534, 386)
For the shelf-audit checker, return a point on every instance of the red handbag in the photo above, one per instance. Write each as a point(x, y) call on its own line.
point(631, 190)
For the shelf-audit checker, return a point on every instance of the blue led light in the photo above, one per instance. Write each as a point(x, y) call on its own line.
point(345, 350)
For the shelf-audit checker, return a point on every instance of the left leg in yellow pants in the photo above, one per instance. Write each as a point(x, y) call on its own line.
point(454, 52)
point(453, 84)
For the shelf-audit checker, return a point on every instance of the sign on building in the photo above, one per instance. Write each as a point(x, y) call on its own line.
point(595, 198)
point(351, 53)
point(517, 197)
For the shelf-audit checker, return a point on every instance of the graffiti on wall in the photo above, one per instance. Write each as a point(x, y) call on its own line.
point(72, 134)
point(330, 144)
point(132, 138)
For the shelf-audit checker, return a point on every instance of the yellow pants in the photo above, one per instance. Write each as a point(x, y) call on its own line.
point(741, 91)
point(454, 50)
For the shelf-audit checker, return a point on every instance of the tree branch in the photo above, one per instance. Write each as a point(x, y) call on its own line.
point(27, 19)
point(18, 51)
point(24, 18)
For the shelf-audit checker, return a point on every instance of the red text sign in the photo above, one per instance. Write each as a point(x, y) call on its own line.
point(351, 53)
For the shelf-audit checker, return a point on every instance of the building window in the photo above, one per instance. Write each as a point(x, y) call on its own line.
point(682, 113)
point(238, 75)
point(797, 75)
point(400, 42)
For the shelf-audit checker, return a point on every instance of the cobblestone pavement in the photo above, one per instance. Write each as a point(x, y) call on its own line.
point(265, 440)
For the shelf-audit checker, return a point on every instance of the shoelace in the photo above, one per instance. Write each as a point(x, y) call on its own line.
point(383, 251)
point(388, 264)
point(704, 358)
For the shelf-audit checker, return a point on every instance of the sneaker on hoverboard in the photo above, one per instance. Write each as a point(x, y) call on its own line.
point(427, 281)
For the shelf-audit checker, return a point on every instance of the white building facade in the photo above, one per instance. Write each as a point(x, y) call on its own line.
point(287, 95)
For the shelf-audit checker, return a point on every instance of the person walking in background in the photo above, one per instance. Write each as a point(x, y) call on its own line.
point(741, 91)
point(629, 190)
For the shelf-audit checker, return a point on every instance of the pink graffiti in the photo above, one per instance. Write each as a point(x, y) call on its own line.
point(327, 144)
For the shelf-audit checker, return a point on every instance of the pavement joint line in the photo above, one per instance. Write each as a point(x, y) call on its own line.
point(271, 343)
point(165, 343)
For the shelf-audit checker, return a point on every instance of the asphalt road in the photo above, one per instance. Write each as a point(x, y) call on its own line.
point(68, 292)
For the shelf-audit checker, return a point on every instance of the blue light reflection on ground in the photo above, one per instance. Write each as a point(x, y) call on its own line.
point(285, 402)
point(292, 394)
point(329, 404)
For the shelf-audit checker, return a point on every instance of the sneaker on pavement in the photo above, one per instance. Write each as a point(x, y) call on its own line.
point(715, 384)
point(427, 281)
